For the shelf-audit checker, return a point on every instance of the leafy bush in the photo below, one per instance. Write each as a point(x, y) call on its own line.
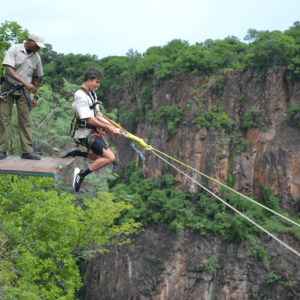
point(241, 143)
point(269, 199)
point(146, 99)
point(241, 98)
point(251, 118)
point(166, 167)
point(259, 253)
point(204, 119)
point(218, 83)
point(129, 119)
point(293, 110)
point(272, 277)
point(224, 121)
point(210, 267)
point(170, 115)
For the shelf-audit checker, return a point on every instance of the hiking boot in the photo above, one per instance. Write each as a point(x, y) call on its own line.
point(77, 179)
point(30, 155)
point(3, 155)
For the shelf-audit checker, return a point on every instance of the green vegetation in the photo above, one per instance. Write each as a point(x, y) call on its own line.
point(272, 277)
point(166, 167)
point(231, 179)
point(251, 118)
point(216, 118)
point(170, 115)
point(129, 119)
point(224, 121)
point(11, 33)
point(209, 267)
point(45, 232)
point(241, 98)
point(264, 49)
point(241, 143)
point(48, 121)
point(146, 99)
point(157, 201)
point(217, 83)
point(293, 110)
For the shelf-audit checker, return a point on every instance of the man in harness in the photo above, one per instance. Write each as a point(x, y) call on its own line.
point(88, 128)
point(22, 66)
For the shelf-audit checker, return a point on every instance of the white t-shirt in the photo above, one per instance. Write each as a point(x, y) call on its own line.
point(81, 107)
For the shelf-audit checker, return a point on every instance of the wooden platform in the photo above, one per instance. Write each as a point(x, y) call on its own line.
point(51, 167)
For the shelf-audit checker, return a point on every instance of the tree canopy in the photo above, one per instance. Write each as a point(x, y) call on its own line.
point(260, 50)
point(44, 233)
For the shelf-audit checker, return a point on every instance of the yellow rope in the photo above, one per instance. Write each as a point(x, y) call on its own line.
point(227, 187)
point(142, 143)
point(227, 204)
point(114, 123)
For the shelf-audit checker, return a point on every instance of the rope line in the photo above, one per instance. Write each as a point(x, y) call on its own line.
point(227, 187)
point(227, 204)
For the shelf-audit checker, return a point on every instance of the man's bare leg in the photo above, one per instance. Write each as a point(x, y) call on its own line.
point(102, 160)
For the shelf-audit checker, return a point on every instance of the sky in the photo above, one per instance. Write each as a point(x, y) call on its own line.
point(112, 27)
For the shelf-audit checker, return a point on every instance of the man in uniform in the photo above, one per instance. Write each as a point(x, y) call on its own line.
point(22, 66)
point(89, 120)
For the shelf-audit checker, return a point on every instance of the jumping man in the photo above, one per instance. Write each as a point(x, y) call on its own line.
point(89, 121)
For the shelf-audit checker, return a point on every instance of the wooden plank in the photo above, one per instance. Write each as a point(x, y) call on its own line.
point(51, 167)
point(15, 163)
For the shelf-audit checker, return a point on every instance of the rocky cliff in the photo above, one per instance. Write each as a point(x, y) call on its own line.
point(272, 158)
point(159, 264)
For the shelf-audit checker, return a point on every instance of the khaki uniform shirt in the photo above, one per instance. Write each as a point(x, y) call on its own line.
point(26, 65)
point(81, 107)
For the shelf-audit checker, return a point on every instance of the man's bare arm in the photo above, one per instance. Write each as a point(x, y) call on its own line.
point(35, 82)
point(110, 129)
point(12, 73)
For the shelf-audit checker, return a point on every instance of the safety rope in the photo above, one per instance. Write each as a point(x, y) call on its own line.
point(227, 204)
point(143, 144)
point(41, 141)
point(114, 123)
point(227, 187)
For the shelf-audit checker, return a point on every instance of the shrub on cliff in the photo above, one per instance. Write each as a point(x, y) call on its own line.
point(146, 99)
point(170, 115)
point(293, 110)
point(251, 118)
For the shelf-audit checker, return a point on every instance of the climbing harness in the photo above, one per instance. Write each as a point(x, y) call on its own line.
point(82, 124)
point(4, 95)
point(143, 144)
point(20, 88)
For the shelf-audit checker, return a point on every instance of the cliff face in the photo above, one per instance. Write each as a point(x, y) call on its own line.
point(159, 264)
point(272, 159)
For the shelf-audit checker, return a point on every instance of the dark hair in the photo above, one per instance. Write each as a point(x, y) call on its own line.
point(92, 73)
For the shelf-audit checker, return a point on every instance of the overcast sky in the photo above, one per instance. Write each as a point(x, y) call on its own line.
point(112, 27)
